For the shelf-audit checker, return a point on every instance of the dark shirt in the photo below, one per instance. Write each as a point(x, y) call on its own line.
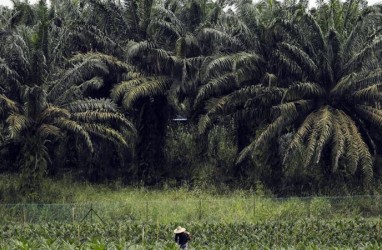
point(181, 238)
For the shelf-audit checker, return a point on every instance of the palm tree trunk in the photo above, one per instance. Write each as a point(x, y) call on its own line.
point(152, 125)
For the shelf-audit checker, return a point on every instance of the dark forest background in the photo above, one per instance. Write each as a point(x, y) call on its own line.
point(201, 92)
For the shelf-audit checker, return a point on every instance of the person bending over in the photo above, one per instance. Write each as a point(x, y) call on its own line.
point(182, 237)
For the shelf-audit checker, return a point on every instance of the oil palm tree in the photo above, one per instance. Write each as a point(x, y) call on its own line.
point(42, 103)
point(166, 57)
point(333, 98)
point(231, 80)
point(236, 82)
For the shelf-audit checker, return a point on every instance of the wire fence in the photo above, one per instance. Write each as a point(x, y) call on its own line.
point(225, 210)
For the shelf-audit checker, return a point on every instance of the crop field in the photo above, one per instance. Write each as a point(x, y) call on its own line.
point(300, 234)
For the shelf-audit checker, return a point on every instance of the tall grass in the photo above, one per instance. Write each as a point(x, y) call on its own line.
point(71, 202)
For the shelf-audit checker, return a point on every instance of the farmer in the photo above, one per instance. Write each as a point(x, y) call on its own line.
point(182, 237)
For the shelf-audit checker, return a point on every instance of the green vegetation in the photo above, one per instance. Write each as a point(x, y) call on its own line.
point(272, 92)
point(274, 100)
point(302, 234)
point(69, 202)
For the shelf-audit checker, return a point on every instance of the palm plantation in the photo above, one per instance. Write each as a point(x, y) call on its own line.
point(290, 95)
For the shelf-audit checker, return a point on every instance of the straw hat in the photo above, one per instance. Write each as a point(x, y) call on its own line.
point(179, 230)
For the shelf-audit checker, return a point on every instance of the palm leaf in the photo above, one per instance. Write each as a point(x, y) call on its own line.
point(220, 37)
point(92, 105)
point(46, 130)
point(138, 48)
point(102, 117)
point(76, 128)
point(106, 133)
point(290, 65)
point(217, 85)
point(326, 131)
point(318, 40)
point(372, 93)
point(291, 108)
point(7, 105)
point(357, 60)
point(124, 87)
point(78, 74)
point(300, 136)
point(231, 62)
point(16, 124)
point(270, 132)
point(370, 114)
point(157, 86)
point(301, 57)
point(338, 142)
point(52, 112)
point(304, 90)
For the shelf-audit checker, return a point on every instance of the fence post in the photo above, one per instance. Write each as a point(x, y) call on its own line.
point(73, 214)
point(147, 211)
point(254, 207)
point(24, 215)
point(78, 232)
point(91, 214)
point(200, 209)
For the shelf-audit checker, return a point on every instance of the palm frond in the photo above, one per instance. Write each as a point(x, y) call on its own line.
point(76, 128)
point(300, 136)
point(233, 103)
point(16, 124)
point(338, 142)
point(361, 148)
point(301, 56)
point(110, 61)
point(7, 72)
point(344, 85)
point(358, 59)
point(304, 90)
point(160, 12)
point(372, 93)
point(295, 33)
point(326, 131)
point(46, 130)
point(311, 145)
point(160, 27)
point(217, 85)
point(102, 117)
point(92, 105)
point(291, 108)
point(247, 11)
point(220, 37)
point(231, 62)
point(77, 92)
point(246, 152)
point(370, 114)
point(78, 74)
point(94, 83)
point(139, 48)
point(151, 87)
point(122, 88)
point(334, 52)
point(284, 61)
point(53, 112)
point(270, 132)
point(7, 105)
point(203, 123)
point(318, 40)
point(106, 133)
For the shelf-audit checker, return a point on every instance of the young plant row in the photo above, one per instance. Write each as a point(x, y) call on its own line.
point(303, 234)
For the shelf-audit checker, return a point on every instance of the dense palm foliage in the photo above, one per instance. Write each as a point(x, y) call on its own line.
point(330, 98)
point(291, 94)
